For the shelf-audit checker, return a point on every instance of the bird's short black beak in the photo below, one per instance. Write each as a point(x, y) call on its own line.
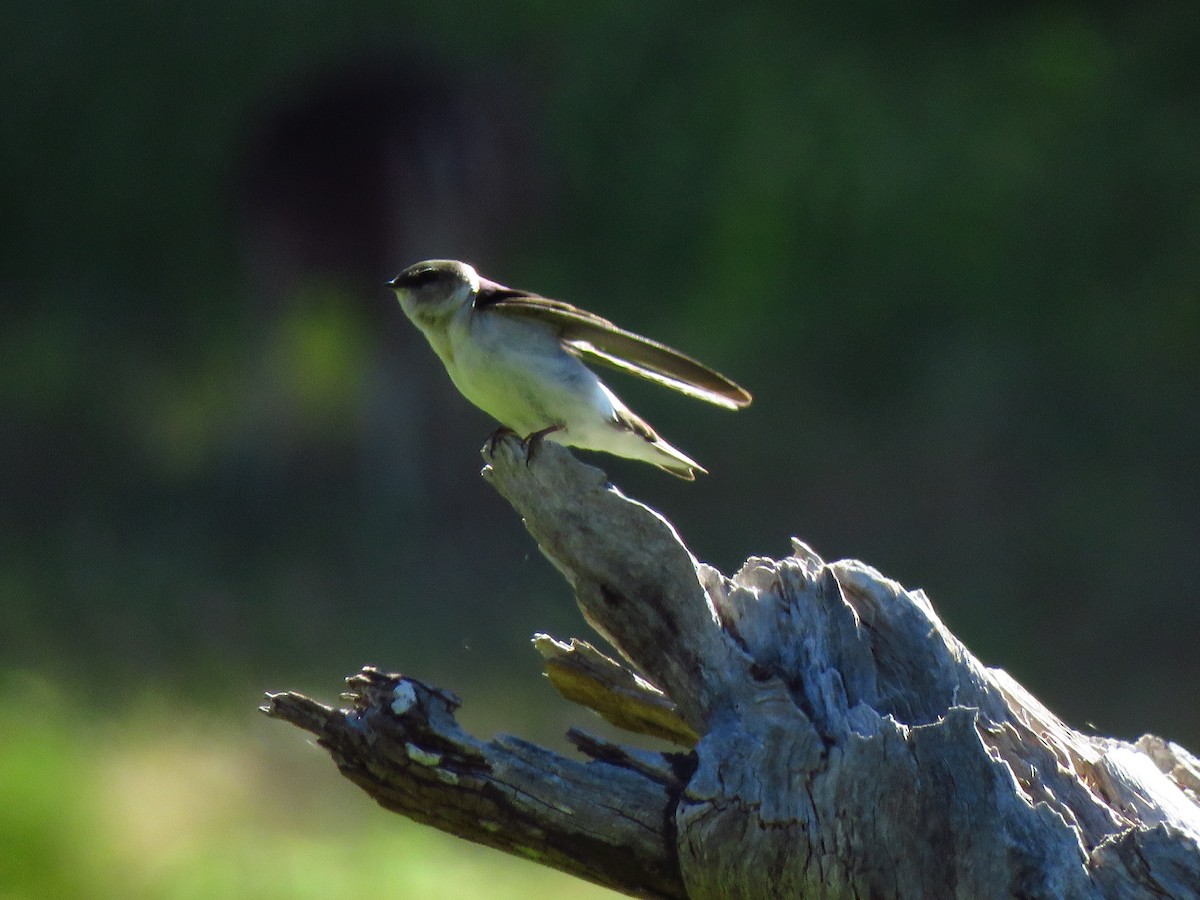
point(393, 283)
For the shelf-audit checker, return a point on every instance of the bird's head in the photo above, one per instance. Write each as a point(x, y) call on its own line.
point(435, 288)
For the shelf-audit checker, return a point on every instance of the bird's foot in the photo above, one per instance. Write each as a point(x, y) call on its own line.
point(499, 434)
point(533, 441)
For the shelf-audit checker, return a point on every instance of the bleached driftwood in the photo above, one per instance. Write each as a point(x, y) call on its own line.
point(836, 740)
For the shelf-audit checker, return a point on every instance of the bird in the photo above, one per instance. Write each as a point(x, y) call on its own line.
point(520, 358)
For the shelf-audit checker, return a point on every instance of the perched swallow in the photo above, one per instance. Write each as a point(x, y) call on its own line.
point(519, 357)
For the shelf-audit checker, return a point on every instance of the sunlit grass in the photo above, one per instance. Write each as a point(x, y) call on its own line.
point(153, 804)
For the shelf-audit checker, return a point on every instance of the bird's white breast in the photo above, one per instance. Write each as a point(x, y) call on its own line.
point(518, 372)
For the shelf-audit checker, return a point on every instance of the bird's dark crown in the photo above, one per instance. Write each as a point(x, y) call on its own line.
point(429, 272)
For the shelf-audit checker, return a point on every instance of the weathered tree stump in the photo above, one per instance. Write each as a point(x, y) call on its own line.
point(836, 740)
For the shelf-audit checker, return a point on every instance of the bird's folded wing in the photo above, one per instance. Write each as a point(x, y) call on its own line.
point(600, 340)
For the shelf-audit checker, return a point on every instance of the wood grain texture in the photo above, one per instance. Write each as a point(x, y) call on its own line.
point(843, 743)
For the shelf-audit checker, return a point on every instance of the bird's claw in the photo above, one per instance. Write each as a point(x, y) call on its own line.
point(533, 441)
point(499, 434)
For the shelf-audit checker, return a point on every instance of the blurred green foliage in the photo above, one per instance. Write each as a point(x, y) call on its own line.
point(159, 803)
point(953, 252)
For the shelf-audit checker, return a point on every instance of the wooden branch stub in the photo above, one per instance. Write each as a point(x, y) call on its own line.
point(603, 821)
point(584, 675)
point(635, 581)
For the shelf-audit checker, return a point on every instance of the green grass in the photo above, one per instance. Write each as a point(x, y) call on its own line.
point(142, 804)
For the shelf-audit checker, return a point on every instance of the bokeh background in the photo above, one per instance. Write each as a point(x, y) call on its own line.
point(953, 251)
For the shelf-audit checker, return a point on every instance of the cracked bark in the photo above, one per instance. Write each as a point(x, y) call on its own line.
point(836, 740)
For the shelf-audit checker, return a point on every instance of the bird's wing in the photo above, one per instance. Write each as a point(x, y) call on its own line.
point(601, 341)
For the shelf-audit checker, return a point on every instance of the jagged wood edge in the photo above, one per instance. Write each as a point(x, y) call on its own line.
point(791, 660)
point(773, 667)
point(607, 821)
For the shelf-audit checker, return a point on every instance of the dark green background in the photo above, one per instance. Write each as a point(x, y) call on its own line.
point(953, 250)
